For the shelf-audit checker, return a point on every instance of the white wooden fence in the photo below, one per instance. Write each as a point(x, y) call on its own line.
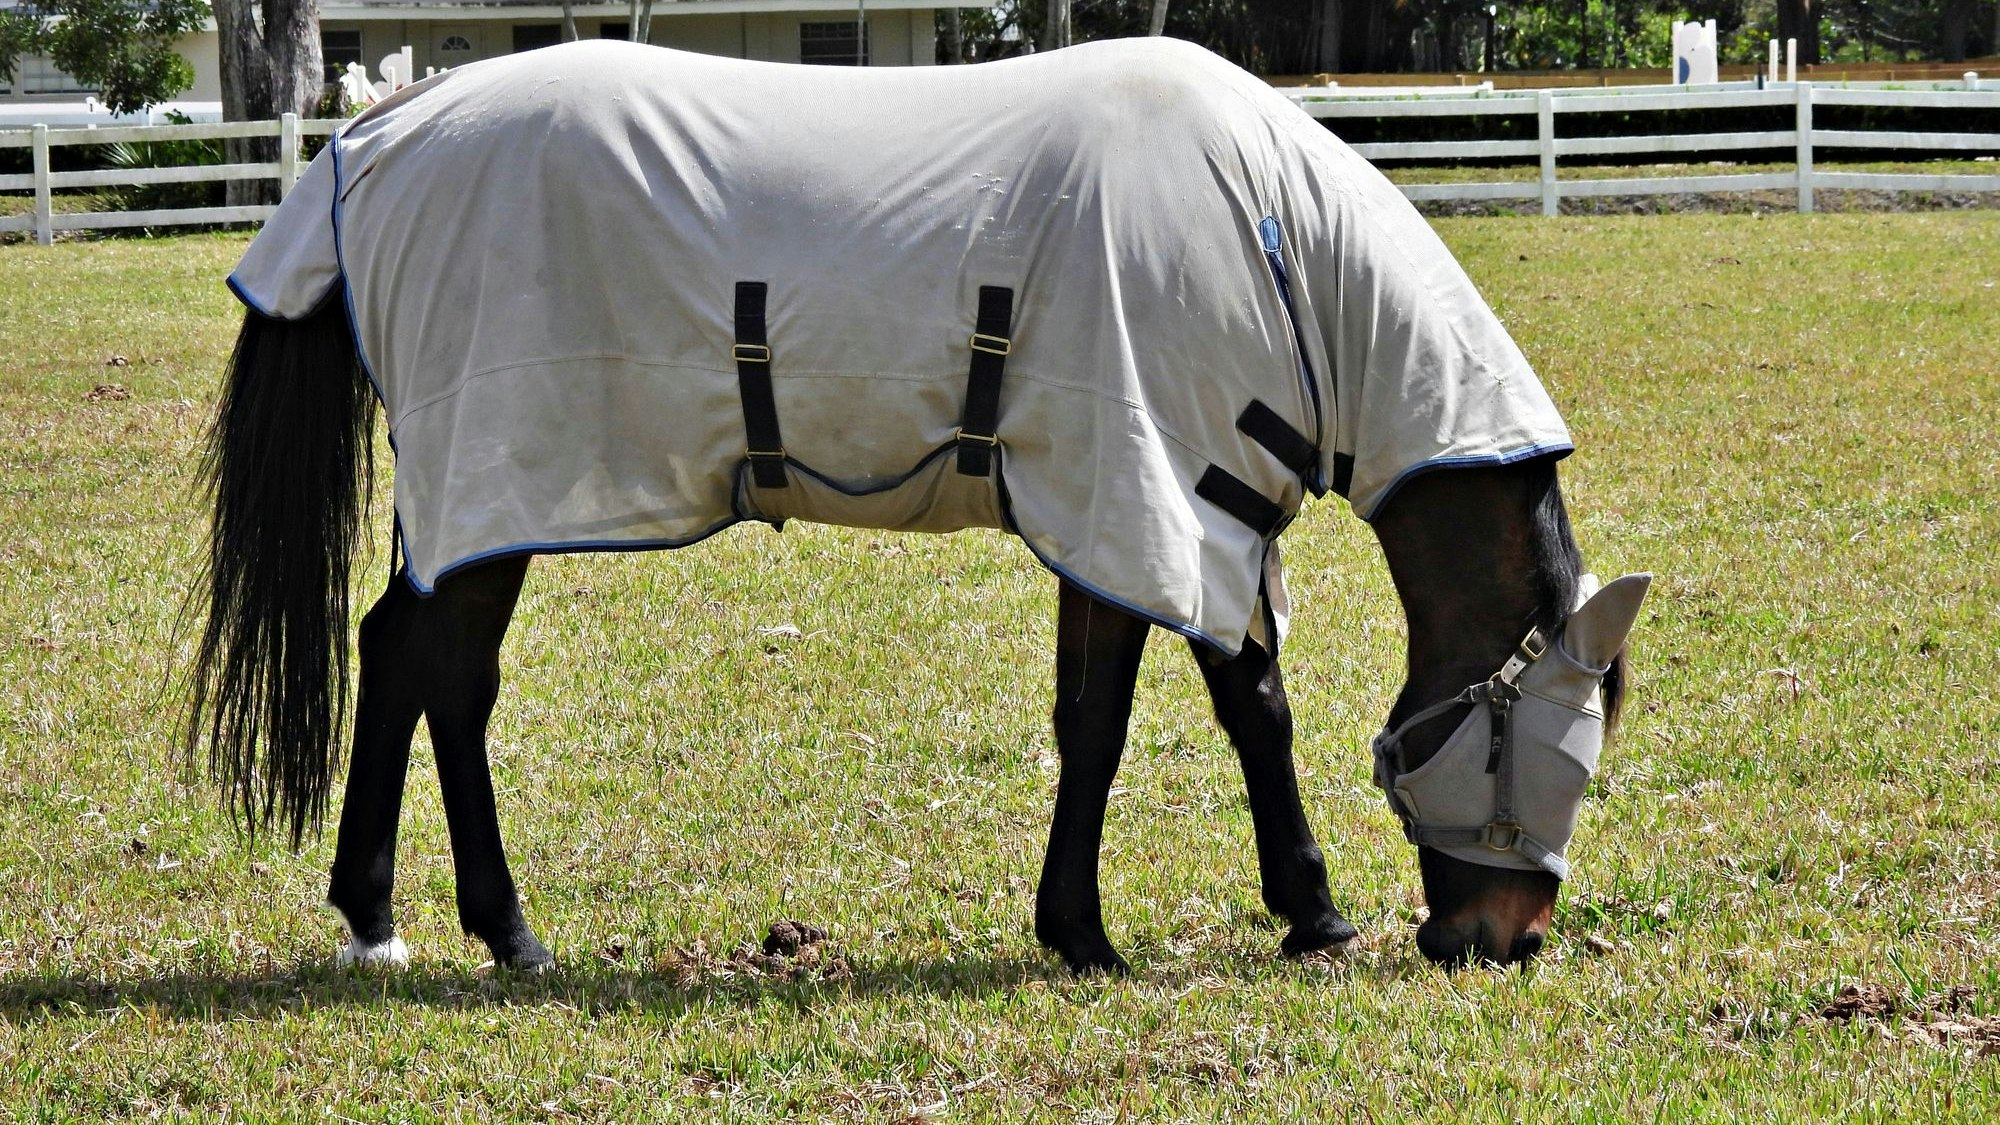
point(1547, 147)
point(1803, 138)
point(43, 180)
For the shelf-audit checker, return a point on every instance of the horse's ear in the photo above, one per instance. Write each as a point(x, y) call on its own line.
point(1597, 630)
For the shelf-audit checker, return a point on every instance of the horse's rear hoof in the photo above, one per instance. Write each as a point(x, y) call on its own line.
point(391, 954)
point(520, 951)
point(1329, 932)
point(530, 966)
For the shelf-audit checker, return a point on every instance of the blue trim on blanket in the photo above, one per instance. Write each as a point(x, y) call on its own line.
point(609, 546)
point(1559, 449)
point(347, 291)
point(250, 302)
point(738, 516)
point(1167, 623)
point(1271, 234)
point(399, 540)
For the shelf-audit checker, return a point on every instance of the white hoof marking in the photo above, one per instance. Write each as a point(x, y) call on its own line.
point(391, 954)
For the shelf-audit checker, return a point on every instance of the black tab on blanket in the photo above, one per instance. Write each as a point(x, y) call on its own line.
point(1263, 425)
point(990, 347)
point(766, 450)
point(1343, 472)
point(1225, 491)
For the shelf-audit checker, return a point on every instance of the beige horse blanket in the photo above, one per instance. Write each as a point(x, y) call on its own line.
point(541, 256)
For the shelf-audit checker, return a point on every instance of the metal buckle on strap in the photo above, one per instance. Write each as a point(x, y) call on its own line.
point(751, 353)
point(765, 454)
point(991, 344)
point(1527, 652)
point(1502, 835)
point(1528, 646)
point(983, 439)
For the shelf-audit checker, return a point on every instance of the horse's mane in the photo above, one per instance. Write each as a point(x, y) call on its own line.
point(1558, 571)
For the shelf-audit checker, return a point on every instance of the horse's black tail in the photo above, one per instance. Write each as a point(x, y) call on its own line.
point(288, 465)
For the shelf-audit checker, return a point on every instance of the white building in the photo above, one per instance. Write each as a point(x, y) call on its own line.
point(444, 33)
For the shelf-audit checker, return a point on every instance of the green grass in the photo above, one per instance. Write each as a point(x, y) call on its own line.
point(1794, 421)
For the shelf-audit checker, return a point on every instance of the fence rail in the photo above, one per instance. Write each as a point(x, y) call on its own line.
point(1547, 105)
point(41, 140)
point(1546, 149)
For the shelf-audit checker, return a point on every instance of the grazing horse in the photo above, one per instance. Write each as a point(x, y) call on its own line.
point(1121, 300)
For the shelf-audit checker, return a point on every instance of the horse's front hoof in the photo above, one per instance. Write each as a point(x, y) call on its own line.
point(1328, 932)
point(391, 954)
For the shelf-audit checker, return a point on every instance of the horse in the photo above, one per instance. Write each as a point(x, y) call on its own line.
point(1189, 308)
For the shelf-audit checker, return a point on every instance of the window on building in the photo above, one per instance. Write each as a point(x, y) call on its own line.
point(833, 43)
point(337, 49)
point(529, 36)
point(37, 74)
point(608, 30)
point(454, 45)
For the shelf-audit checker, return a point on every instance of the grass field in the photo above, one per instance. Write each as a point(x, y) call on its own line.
point(1794, 421)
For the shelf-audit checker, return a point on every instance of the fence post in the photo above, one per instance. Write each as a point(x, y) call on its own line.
point(288, 153)
point(45, 212)
point(1805, 124)
point(1545, 130)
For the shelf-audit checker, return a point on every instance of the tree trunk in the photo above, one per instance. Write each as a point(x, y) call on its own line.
point(1323, 37)
point(1055, 26)
point(1956, 34)
point(1799, 19)
point(954, 36)
point(1371, 38)
point(1156, 24)
point(266, 71)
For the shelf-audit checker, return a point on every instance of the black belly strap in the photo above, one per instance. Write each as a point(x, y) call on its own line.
point(764, 447)
point(978, 426)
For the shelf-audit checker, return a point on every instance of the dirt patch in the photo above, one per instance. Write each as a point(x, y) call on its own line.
point(787, 937)
point(1981, 1036)
point(1860, 1001)
point(807, 957)
point(1938, 1019)
point(108, 392)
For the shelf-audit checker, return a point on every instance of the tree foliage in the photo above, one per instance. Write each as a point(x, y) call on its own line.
point(1306, 36)
point(122, 48)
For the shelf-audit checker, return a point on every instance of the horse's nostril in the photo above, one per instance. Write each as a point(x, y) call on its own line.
point(1440, 946)
point(1525, 947)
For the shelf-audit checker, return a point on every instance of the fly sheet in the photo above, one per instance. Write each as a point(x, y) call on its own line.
point(572, 271)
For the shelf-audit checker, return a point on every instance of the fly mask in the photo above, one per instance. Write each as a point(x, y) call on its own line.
point(1505, 788)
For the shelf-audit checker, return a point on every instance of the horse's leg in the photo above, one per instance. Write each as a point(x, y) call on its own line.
point(468, 620)
point(390, 701)
point(1097, 663)
point(1249, 696)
